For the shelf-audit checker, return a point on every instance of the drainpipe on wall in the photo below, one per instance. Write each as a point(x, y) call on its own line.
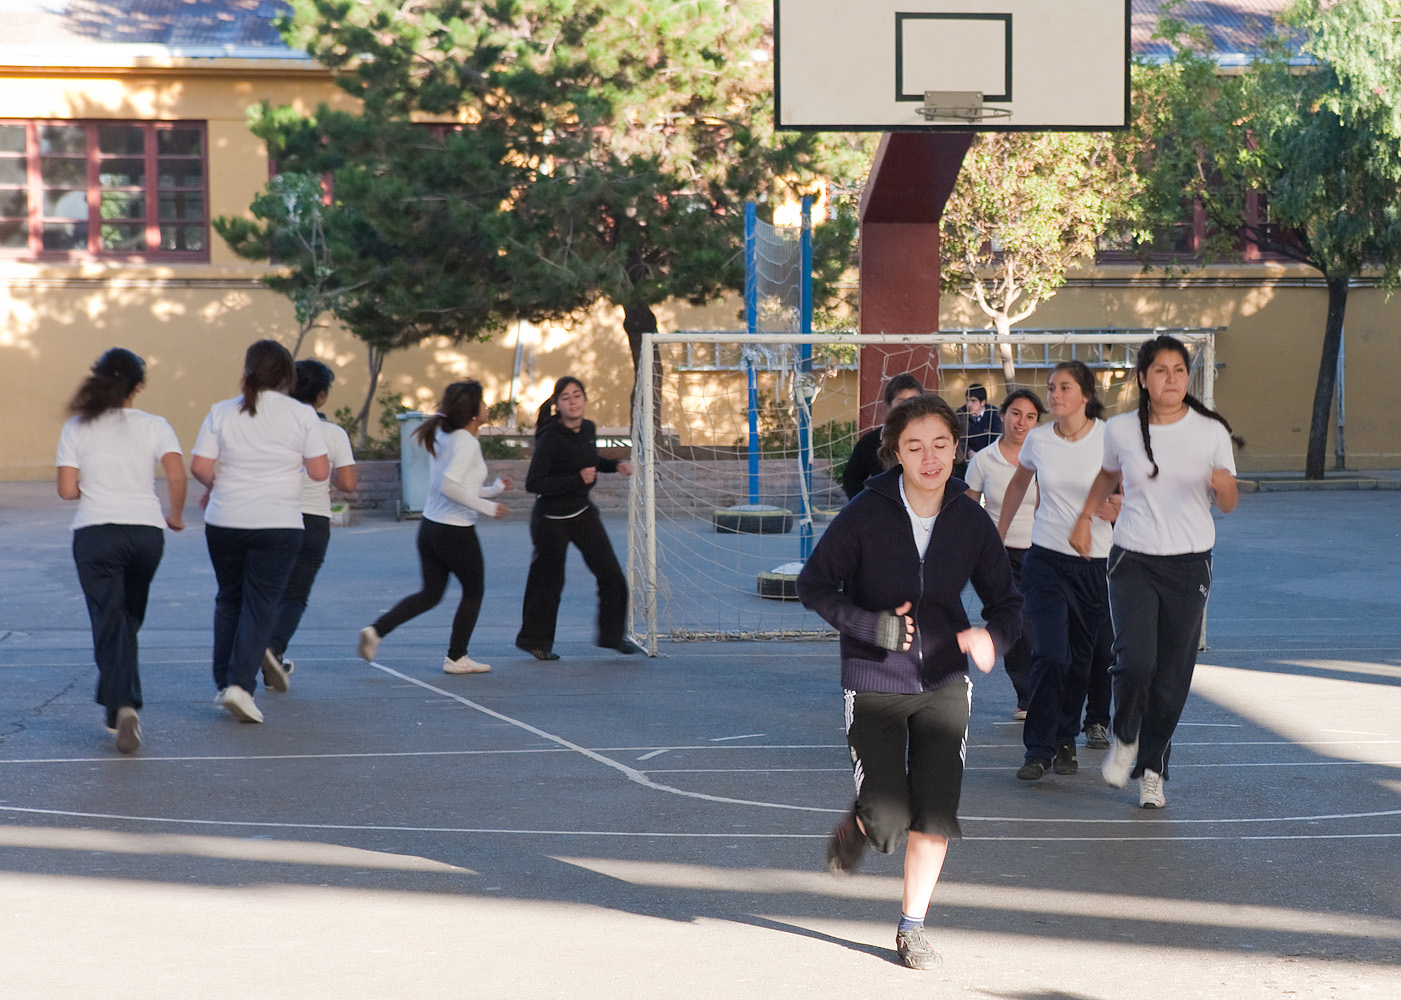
point(1339, 446)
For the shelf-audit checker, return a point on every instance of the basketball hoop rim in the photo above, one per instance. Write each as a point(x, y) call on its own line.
point(967, 116)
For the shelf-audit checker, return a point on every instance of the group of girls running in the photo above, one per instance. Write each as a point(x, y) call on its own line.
point(267, 459)
point(889, 571)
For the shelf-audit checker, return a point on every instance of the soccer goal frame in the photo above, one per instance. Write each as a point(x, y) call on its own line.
point(644, 583)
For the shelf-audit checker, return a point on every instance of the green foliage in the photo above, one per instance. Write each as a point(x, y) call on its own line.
point(384, 444)
point(778, 435)
point(1322, 141)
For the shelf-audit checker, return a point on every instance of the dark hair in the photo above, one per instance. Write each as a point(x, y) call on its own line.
point(1080, 372)
point(266, 365)
point(1147, 354)
point(546, 415)
point(313, 378)
point(462, 401)
point(976, 390)
point(1027, 395)
point(115, 376)
point(903, 382)
point(907, 413)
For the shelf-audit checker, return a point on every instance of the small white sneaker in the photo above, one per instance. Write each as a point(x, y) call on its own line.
point(274, 673)
point(238, 703)
point(1118, 762)
point(128, 730)
point(369, 643)
point(464, 664)
point(1150, 790)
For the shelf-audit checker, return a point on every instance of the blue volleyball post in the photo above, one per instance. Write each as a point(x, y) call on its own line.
point(751, 322)
point(806, 384)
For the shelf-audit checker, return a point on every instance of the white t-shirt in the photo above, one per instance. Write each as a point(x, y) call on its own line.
point(459, 460)
point(1065, 471)
point(259, 482)
point(116, 456)
point(989, 472)
point(316, 496)
point(921, 527)
point(1171, 514)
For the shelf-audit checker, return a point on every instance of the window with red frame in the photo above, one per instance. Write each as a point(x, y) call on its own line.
point(103, 189)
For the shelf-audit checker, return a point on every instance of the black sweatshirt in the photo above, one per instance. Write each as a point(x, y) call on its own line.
point(560, 455)
point(867, 562)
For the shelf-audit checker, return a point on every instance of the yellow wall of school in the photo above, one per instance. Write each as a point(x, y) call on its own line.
point(193, 322)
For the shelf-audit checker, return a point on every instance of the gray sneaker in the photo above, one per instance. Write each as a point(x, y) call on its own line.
point(238, 703)
point(274, 673)
point(368, 644)
point(128, 730)
point(1118, 762)
point(915, 950)
point(1096, 737)
point(1065, 761)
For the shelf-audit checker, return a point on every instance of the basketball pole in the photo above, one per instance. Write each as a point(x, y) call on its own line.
point(751, 323)
point(805, 386)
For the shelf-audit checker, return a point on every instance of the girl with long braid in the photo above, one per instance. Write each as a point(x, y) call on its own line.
point(447, 535)
point(1067, 601)
point(107, 456)
point(1173, 458)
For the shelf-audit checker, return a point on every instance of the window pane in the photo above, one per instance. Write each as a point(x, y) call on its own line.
point(123, 237)
point(122, 173)
point(14, 203)
point(180, 141)
point(123, 205)
point(182, 205)
point(129, 139)
point(182, 237)
point(181, 173)
point(64, 173)
point(70, 139)
point(14, 233)
point(12, 138)
point(65, 236)
point(12, 170)
point(66, 205)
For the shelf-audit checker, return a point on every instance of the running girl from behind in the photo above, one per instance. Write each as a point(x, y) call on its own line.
point(312, 388)
point(889, 574)
point(1174, 460)
point(250, 455)
point(447, 535)
point(107, 456)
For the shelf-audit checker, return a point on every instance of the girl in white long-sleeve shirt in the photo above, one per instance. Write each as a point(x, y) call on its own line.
point(447, 536)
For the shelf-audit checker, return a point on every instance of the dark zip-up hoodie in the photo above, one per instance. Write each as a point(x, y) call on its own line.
point(560, 455)
point(867, 562)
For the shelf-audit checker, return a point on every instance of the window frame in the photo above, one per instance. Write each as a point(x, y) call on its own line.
point(151, 190)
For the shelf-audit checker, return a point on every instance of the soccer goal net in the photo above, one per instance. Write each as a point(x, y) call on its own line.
point(723, 422)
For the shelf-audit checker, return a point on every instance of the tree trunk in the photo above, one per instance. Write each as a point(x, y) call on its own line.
point(375, 359)
point(637, 320)
point(1327, 377)
point(1003, 328)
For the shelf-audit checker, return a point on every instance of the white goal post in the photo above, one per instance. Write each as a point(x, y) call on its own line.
point(692, 577)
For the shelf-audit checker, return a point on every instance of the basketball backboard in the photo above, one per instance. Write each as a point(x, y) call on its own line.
point(1001, 65)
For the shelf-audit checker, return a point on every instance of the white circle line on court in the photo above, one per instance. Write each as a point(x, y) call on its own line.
point(631, 773)
point(672, 834)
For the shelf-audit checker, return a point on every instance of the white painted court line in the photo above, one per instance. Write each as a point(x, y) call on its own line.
point(631, 773)
point(746, 736)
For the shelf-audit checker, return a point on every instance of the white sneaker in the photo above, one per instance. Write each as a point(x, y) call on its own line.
point(274, 673)
point(369, 643)
point(464, 664)
point(1150, 790)
point(128, 730)
point(238, 703)
point(1118, 762)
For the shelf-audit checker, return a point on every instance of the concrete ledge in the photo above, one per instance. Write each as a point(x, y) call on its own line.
point(1277, 482)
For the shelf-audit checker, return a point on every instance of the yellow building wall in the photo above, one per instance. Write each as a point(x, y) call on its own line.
point(193, 322)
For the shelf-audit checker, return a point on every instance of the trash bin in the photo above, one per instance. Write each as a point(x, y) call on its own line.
point(413, 468)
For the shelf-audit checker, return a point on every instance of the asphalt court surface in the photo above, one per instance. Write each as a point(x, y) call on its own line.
point(611, 826)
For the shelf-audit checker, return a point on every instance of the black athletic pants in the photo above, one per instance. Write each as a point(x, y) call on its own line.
point(1017, 660)
point(116, 563)
point(545, 581)
point(907, 757)
point(316, 535)
point(444, 549)
point(252, 566)
point(1157, 603)
point(1067, 603)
